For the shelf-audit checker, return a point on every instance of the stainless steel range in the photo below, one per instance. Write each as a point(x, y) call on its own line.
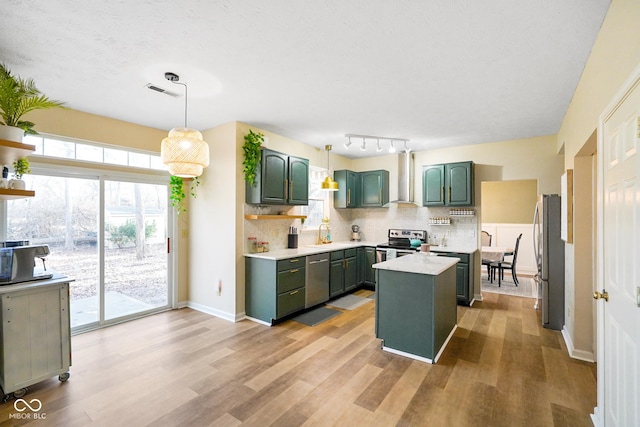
point(400, 241)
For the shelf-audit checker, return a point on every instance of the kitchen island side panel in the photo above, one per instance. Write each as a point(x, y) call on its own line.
point(260, 292)
point(446, 306)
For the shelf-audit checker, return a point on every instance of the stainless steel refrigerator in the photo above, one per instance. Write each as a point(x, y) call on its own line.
point(548, 248)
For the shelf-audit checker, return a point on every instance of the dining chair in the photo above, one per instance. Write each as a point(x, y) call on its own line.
point(507, 265)
point(485, 239)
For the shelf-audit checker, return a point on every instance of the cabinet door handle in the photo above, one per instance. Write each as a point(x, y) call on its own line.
point(286, 188)
point(293, 293)
point(294, 260)
point(449, 193)
point(442, 193)
point(294, 271)
point(291, 190)
point(348, 196)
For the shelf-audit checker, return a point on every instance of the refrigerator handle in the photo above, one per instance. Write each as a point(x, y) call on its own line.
point(536, 229)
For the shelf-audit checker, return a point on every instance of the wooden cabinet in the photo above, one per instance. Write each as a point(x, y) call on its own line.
point(464, 278)
point(9, 152)
point(280, 180)
point(343, 275)
point(348, 194)
point(374, 188)
point(35, 333)
point(274, 289)
point(361, 189)
point(449, 184)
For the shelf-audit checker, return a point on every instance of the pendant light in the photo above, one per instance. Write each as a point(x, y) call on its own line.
point(184, 151)
point(329, 184)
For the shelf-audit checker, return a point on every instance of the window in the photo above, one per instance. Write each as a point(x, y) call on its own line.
point(318, 199)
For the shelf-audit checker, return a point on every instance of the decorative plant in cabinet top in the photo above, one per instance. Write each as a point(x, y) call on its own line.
point(252, 143)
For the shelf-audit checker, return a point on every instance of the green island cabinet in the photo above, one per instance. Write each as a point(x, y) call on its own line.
point(343, 275)
point(274, 289)
point(449, 184)
point(374, 188)
point(280, 180)
point(348, 194)
point(464, 278)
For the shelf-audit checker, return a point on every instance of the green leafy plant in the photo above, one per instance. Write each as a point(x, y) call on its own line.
point(21, 167)
point(125, 233)
point(18, 97)
point(178, 193)
point(252, 143)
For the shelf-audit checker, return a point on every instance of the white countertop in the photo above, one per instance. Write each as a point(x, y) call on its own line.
point(309, 250)
point(419, 263)
point(457, 249)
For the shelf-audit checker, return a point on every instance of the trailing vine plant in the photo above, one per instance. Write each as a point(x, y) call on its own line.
point(178, 192)
point(252, 143)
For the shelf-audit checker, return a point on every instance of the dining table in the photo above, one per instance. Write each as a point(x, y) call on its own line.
point(495, 254)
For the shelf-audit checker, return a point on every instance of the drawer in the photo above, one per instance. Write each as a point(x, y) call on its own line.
point(290, 302)
point(335, 255)
point(291, 279)
point(350, 253)
point(291, 263)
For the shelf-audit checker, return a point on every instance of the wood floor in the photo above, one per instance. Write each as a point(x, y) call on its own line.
point(187, 368)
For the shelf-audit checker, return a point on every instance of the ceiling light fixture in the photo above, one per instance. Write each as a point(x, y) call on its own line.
point(329, 184)
point(184, 151)
point(348, 143)
point(379, 147)
point(406, 149)
point(364, 145)
point(392, 148)
point(378, 139)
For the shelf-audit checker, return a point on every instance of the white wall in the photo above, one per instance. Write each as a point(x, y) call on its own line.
point(505, 235)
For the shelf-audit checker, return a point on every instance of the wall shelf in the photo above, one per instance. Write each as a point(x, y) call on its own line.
point(11, 151)
point(9, 194)
point(254, 216)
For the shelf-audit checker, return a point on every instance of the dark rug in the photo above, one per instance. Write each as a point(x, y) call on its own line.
point(316, 316)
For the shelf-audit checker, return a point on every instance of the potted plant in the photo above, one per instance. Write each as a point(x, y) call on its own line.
point(18, 97)
point(252, 143)
point(177, 191)
point(20, 168)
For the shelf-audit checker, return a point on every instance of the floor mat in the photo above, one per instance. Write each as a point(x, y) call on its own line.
point(527, 287)
point(316, 316)
point(349, 302)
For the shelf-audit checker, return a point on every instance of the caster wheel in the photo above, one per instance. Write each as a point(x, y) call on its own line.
point(20, 393)
point(64, 377)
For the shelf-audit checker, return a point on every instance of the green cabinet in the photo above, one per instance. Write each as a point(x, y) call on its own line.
point(449, 184)
point(280, 180)
point(274, 289)
point(369, 260)
point(342, 272)
point(464, 278)
point(374, 188)
point(360, 265)
point(348, 194)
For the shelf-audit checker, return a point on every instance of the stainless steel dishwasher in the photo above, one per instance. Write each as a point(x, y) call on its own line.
point(317, 280)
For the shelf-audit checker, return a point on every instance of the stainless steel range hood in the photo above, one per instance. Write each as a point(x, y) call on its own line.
point(405, 178)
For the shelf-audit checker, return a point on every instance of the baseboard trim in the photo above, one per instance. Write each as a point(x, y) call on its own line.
point(478, 297)
point(182, 304)
point(215, 312)
point(586, 356)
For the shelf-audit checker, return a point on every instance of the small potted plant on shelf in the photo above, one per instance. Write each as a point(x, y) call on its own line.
point(18, 97)
point(20, 168)
point(177, 191)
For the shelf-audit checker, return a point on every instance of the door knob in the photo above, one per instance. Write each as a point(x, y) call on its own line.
point(604, 295)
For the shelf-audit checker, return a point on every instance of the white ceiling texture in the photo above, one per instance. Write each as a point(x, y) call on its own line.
point(437, 72)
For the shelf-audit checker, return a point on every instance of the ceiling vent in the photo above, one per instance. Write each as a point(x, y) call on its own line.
point(161, 90)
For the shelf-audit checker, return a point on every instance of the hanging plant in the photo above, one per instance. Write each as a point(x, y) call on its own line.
point(177, 195)
point(252, 143)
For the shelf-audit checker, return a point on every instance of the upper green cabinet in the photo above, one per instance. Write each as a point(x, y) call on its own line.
point(449, 184)
point(374, 188)
point(280, 180)
point(348, 194)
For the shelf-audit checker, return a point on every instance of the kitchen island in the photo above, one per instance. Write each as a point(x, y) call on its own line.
point(416, 305)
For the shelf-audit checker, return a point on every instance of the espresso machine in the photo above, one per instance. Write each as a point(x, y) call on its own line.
point(18, 264)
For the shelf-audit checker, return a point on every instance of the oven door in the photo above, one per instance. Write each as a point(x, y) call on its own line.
point(381, 253)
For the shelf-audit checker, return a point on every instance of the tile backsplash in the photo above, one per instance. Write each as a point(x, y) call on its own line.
point(462, 232)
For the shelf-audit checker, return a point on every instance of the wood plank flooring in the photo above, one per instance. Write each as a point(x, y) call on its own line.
point(184, 367)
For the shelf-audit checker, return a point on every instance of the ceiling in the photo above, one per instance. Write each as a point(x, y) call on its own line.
point(439, 73)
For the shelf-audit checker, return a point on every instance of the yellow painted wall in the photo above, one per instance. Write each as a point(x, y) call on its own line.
point(509, 202)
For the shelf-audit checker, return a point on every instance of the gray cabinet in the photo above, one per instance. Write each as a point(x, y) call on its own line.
point(368, 189)
point(369, 260)
point(449, 184)
point(464, 278)
point(35, 333)
point(343, 272)
point(274, 289)
point(348, 194)
point(280, 180)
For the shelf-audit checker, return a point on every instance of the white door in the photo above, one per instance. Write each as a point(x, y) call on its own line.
point(619, 234)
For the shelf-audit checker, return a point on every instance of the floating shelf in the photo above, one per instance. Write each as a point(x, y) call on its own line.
point(8, 194)
point(11, 151)
point(253, 216)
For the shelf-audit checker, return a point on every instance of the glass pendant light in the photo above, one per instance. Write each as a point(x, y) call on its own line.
point(329, 184)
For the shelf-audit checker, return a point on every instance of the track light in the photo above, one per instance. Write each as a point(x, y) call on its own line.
point(378, 144)
point(406, 149)
point(392, 148)
point(364, 145)
point(379, 148)
point(348, 143)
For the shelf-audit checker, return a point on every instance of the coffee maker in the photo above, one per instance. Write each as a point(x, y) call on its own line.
point(17, 264)
point(355, 233)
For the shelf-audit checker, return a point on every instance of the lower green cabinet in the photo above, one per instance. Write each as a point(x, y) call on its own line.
point(369, 260)
point(274, 289)
point(343, 274)
point(464, 279)
point(336, 278)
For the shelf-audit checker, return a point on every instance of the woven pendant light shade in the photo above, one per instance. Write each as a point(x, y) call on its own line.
point(185, 152)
